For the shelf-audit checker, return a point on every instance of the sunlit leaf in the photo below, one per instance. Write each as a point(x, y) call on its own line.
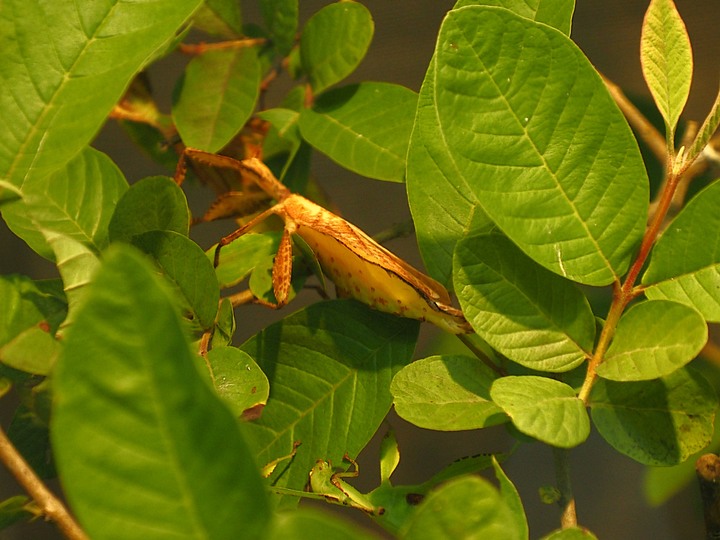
point(446, 393)
point(529, 314)
point(543, 408)
point(364, 127)
point(56, 102)
point(653, 339)
point(685, 262)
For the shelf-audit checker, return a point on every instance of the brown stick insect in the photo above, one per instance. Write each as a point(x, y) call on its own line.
point(359, 266)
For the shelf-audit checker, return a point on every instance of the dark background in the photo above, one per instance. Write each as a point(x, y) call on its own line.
point(608, 486)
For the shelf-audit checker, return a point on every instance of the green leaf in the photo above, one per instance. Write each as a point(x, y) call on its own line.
point(216, 97)
point(685, 262)
point(240, 257)
point(659, 422)
point(281, 21)
point(510, 495)
point(539, 143)
point(666, 59)
point(187, 267)
point(389, 455)
point(30, 435)
point(329, 367)
point(14, 510)
point(32, 351)
point(543, 408)
point(26, 304)
point(446, 393)
point(143, 446)
point(364, 127)
point(220, 17)
point(239, 381)
point(468, 507)
point(653, 339)
point(572, 533)
point(155, 203)
point(442, 213)
point(555, 13)
point(5, 386)
point(56, 102)
point(529, 314)
point(310, 524)
point(76, 201)
point(333, 43)
point(706, 131)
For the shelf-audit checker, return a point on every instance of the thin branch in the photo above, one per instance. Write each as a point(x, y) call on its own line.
point(568, 516)
point(49, 504)
point(707, 468)
point(200, 48)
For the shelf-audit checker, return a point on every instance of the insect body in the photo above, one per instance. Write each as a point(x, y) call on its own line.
point(360, 267)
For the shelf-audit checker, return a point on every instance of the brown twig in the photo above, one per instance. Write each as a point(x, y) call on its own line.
point(707, 468)
point(200, 48)
point(48, 503)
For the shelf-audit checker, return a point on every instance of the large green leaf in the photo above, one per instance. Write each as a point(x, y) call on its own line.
point(543, 408)
point(532, 316)
point(364, 127)
point(333, 43)
point(444, 208)
point(63, 68)
point(446, 393)
point(666, 59)
point(556, 13)
point(510, 495)
point(537, 142)
point(468, 507)
point(311, 524)
point(144, 448)
point(216, 97)
point(653, 339)
point(76, 201)
point(685, 262)
point(329, 367)
point(659, 422)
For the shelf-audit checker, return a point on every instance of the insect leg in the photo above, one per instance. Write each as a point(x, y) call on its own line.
point(224, 241)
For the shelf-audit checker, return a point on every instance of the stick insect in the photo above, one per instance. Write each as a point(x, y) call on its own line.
point(360, 267)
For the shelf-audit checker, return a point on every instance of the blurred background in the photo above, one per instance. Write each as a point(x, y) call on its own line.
point(608, 486)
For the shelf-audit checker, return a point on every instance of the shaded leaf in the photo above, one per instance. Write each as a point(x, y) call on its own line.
point(659, 422)
point(329, 367)
point(32, 351)
point(510, 495)
point(364, 127)
point(543, 408)
point(310, 524)
point(653, 339)
point(14, 510)
point(529, 314)
point(333, 43)
point(238, 258)
point(466, 507)
point(216, 97)
point(187, 267)
point(131, 409)
point(685, 262)
point(281, 21)
point(57, 102)
point(446, 393)
point(155, 203)
point(220, 17)
point(30, 435)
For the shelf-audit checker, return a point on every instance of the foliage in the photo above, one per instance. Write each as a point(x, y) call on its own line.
point(529, 197)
